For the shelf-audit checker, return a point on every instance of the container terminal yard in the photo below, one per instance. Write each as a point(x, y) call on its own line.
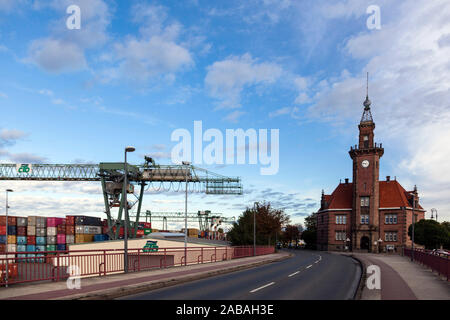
point(35, 248)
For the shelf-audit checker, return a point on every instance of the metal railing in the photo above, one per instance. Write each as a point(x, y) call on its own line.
point(24, 267)
point(439, 263)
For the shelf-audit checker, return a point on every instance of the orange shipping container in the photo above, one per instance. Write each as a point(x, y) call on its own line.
point(84, 238)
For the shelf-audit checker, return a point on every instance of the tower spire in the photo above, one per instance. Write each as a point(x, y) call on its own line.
point(367, 115)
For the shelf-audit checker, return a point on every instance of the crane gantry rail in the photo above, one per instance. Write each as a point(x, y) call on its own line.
point(112, 174)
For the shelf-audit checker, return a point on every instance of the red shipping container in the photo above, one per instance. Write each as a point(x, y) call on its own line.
point(70, 220)
point(2, 220)
point(31, 240)
point(61, 229)
point(21, 231)
point(2, 230)
point(54, 222)
point(2, 248)
point(61, 239)
point(12, 221)
point(140, 232)
point(70, 229)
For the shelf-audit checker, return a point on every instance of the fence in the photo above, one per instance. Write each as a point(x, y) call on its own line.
point(54, 265)
point(438, 263)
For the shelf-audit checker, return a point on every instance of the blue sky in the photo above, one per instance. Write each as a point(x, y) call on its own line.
point(138, 70)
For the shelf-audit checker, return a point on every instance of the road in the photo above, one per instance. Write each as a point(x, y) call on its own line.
point(307, 275)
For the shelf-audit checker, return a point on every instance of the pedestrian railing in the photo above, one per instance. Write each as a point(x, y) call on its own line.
point(26, 267)
point(439, 263)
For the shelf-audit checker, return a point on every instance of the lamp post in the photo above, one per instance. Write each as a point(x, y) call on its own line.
point(379, 245)
point(254, 228)
point(186, 164)
point(125, 245)
point(6, 269)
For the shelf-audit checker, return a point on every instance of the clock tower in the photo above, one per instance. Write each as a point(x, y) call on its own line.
point(365, 220)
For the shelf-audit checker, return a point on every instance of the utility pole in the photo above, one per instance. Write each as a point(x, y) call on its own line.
point(254, 227)
point(125, 244)
point(186, 164)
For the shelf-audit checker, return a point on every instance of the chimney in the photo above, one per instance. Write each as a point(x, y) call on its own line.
point(388, 178)
point(346, 180)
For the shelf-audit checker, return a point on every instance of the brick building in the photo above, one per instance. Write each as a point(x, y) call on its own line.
point(367, 214)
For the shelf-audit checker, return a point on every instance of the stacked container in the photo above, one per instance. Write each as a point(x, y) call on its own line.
point(86, 228)
point(70, 230)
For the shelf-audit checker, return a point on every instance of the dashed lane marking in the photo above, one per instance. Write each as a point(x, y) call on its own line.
point(264, 286)
point(293, 274)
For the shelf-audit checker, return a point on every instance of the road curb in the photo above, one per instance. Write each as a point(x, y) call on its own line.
point(362, 279)
point(114, 293)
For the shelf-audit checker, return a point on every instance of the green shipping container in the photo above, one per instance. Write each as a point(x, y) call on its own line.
point(147, 231)
point(51, 247)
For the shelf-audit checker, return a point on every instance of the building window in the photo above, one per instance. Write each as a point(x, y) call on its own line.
point(366, 141)
point(390, 219)
point(390, 236)
point(340, 235)
point(365, 201)
point(364, 219)
point(341, 219)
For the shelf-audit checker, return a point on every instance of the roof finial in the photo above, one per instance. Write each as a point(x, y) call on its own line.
point(367, 102)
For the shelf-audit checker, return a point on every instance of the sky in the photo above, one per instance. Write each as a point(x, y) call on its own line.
point(136, 71)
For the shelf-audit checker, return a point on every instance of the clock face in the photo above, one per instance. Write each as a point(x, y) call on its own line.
point(365, 163)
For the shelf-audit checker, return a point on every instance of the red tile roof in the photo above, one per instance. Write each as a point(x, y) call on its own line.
point(392, 195)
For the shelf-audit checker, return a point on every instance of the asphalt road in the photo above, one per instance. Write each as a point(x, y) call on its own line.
point(307, 275)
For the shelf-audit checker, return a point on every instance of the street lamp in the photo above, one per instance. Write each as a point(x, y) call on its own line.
point(6, 279)
point(413, 221)
point(254, 228)
point(186, 164)
point(125, 245)
point(379, 245)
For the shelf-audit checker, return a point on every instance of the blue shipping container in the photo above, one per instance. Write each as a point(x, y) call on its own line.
point(31, 248)
point(100, 237)
point(40, 260)
point(12, 230)
point(61, 247)
point(41, 241)
point(40, 248)
point(31, 256)
point(21, 255)
point(21, 248)
point(21, 240)
point(2, 239)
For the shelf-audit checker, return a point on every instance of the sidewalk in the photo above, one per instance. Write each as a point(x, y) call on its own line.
point(402, 279)
point(109, 287)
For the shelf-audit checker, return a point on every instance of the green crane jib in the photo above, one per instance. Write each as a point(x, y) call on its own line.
point(204, 218)
point(111, 176)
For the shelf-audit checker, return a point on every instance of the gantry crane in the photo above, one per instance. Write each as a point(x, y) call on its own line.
point(112, 174)
point(205, 219)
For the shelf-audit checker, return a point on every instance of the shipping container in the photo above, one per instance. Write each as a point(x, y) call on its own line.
point(41, 248)
point(11, 247)
point(12, 221)
point(3, 239)
point(21, 240)
point(3, 230)
point(51, 247)
point(61, 247)
point(51, 240)
point(12, 240)
point(40, 258)
point(21, 248)
point(2, 220)
point(41, 240)
point(41, 232)
point(31, 240)
point(84, 238)
point(12, 230)
point(31, 258)
point(31, 248)
point(70, 220)
point(2, 248)
point(31, 230)
point(147, 231)
point(101, 237)
point(51, 231)
point(61, 239)
point(41, 222)
point(61, 229)
point(21, 258)
point(54, 222)
point(70, 229)
point(21, 231)
point(31, 221)
point(70, 239)
point(22, 221)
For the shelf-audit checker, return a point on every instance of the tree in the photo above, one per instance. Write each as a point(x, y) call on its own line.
point(268, 225)
point(310, 234)
point(290, 233)
point(430, 234)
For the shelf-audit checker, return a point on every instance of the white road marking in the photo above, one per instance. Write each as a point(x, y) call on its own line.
point(309, 266)
point(293, 274)
point(264, 286)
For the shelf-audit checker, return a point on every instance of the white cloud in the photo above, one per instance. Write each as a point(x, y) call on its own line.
point(234, 116)
point(227, 79)
point(409, 80)
point(10, 136)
